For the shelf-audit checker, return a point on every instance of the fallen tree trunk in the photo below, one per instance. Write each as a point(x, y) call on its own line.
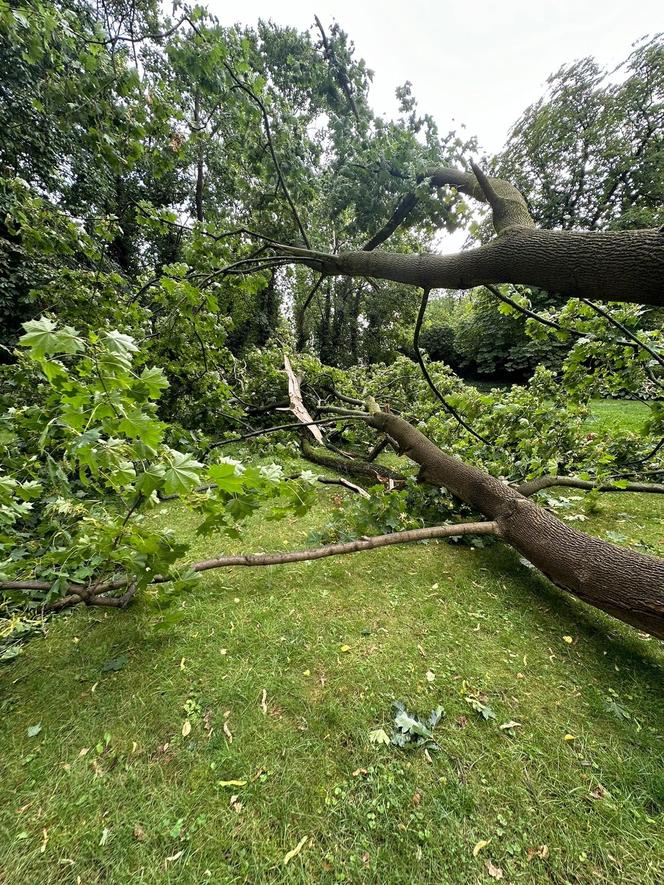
point(626, 584)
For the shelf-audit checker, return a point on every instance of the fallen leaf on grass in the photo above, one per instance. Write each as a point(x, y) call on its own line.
point(359, 771)
point(568, 639)
point(232, 783)
point(264, 702)
point(295, 851)
point(186, 728)
point(34, 730)
point(494, 871)
point(228, 733)
point(430, 675)
point(542, 851)
point(207, 722)
point(115, 664)
point(173, 857)
point(139, 833)
point(569, 737)
point(599, 792)
point(508, 726)
point(479, 846)
point(379, 736)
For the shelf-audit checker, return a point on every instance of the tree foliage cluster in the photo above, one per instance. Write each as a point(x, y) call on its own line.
point(151, 171)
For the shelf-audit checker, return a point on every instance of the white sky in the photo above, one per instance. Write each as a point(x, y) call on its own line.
point(475, 62)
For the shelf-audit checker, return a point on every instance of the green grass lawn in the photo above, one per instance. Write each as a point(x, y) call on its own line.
point(281, 673)
point(630, 415)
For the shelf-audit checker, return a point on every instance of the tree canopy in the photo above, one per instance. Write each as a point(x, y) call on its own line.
point(188, 210)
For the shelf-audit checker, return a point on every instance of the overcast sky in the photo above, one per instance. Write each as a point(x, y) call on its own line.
point(474, 62)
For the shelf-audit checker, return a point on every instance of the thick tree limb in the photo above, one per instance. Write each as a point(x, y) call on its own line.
point(626, 584)
point(605, 266)
point(376, 473)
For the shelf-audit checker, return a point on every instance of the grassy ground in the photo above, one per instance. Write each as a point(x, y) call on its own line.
point(628, 414)
point(115, 788)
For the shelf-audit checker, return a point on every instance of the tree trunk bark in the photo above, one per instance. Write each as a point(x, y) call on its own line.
point(626, 584)
point(613, 265)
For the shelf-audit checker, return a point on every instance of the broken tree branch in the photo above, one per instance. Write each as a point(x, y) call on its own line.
point(80, 594)
point(527, 489)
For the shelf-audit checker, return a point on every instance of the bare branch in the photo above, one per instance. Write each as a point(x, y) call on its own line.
point(268, 133)
point(527, 489)
point(411, 536)
point(295, 424)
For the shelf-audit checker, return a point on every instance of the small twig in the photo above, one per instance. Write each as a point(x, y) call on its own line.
point(268, 133)
point(627, 332)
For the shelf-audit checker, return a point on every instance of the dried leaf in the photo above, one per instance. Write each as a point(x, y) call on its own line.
point(227, 732)
point(174, 857)
point(568, 639)
point(139, 833)
point(494, 871)
point(509, 725)
point(295, 851)
point(186, 728)
point(379, 736)
point(479, 846)
point(264, 702)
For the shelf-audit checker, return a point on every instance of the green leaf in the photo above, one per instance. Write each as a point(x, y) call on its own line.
point(43, 337)
point(154, 380)
point(115, 664)
point(379, 736)
point(182, 475)
point(225, 477)
point(116, 342)
point(138, 425)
